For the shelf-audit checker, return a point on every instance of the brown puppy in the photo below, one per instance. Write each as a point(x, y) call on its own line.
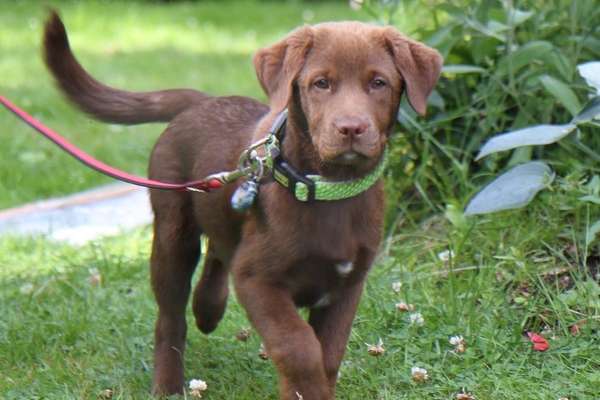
point(342, 84)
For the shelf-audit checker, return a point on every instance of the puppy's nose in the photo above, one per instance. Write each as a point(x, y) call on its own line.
point(351, 126)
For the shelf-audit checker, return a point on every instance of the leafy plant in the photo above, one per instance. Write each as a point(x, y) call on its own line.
point(517, 187)
point(506, 68)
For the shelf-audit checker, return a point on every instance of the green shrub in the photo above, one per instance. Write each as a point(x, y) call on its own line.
point(504, 63)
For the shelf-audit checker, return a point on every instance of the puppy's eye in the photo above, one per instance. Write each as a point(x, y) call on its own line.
point(378, 83)
point(322, 84)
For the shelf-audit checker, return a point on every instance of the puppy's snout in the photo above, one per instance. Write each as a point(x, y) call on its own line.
point(351, 126)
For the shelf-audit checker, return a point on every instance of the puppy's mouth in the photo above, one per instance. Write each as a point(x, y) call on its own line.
point(350, 164)
point(349, 158)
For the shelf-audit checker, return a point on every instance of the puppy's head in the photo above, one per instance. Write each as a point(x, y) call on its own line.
point(344, 82)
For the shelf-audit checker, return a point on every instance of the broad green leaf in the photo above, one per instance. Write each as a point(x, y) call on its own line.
point(451, 9)
point(482, 49)
point(462, 69)
point(591, 73)
point(591, 198)
point(562, 92)
point(517, 17)
point(524, 55)
point(593, 185)
point(592, 232)
point(492, 29)
point(444, 39)
point(561, 63)
point(590, 111)
point(532, 136)
point(587, 42)
point(592, 44)
point(440, 36)
point(496, 26)
point(455, 215)
point(513, 189)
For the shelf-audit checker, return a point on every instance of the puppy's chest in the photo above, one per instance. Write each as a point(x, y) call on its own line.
point(320, 258)
point(322, 248)
point(335, 235)
point(316, 282)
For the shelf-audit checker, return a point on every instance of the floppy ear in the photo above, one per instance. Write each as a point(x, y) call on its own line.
point(277, 66)
point(418, 64)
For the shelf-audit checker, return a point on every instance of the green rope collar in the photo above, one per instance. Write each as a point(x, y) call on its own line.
point(325, 190)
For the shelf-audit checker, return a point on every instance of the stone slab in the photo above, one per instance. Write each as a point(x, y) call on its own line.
point(82, 217)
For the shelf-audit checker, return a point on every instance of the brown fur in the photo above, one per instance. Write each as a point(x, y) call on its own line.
point(283, 253)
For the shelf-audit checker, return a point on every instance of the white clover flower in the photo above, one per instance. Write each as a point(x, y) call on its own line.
point(416, 319)
point(376, 349)
point(403, 307)
point(456, 340)
point(243, 335)
point(197, 386)
point(396, 286)
point(262, 352)
point(445, 255)
point(460, 346)
point(419, 374)
point(464, 396)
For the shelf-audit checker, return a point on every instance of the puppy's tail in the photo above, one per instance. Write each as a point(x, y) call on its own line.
point(101, 101)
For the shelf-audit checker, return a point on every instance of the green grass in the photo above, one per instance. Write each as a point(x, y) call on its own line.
point(61, 337)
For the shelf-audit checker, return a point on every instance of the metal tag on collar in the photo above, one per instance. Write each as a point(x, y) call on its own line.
point(253, 165)
point(245, 195)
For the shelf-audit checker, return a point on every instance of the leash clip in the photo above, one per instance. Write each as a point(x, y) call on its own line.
point(252, 164)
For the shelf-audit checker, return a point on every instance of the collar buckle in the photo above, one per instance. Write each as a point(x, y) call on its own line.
point(288, 177)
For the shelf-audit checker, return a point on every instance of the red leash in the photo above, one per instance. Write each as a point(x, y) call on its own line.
point(206, 185)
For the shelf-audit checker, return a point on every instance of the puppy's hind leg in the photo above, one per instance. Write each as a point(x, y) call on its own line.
point(210, 294)
point(175, 253)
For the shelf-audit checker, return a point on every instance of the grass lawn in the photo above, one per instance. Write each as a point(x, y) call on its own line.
point(62, 336)
point(76, 321)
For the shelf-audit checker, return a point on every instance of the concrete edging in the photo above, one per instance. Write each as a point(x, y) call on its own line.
point(81, 217)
